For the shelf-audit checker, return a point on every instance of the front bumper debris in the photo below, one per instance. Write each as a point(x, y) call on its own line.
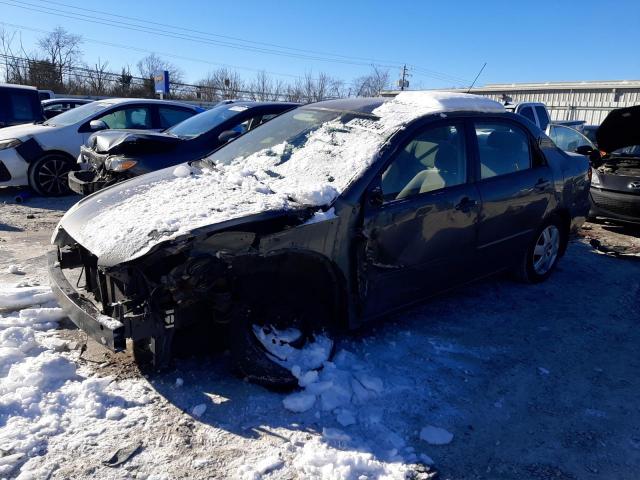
point(85, 182)
point(83, 313)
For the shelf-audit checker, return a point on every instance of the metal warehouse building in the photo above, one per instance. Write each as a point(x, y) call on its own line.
point(589, 101)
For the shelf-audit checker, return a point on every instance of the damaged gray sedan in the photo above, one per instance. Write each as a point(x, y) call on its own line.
point(325, 218)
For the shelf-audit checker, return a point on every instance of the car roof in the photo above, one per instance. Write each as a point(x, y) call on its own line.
point(155, 101)
point(364, 105)
point(22, 87)
point(253, 104)
point(58, 100)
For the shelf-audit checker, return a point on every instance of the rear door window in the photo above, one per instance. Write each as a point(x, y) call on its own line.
point(503, 148)
point(543, 117)
point(527, 112)
point(172, 116)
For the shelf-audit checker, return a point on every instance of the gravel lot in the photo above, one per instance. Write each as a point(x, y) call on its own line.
point(536, 382)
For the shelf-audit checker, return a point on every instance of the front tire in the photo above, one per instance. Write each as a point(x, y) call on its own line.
point(543, 253)
point(251, 357)
point(48, 176)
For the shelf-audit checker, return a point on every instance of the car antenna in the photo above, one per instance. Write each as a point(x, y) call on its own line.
point(475, 79)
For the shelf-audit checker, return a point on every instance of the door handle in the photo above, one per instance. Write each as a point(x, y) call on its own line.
point(542, 185)
point(466, 204)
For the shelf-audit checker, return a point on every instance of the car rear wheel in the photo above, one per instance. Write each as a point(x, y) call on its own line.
point(48, 175)
point(267, 340)
point(543, 253)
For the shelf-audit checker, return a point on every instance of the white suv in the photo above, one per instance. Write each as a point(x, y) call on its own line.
point(42, 154)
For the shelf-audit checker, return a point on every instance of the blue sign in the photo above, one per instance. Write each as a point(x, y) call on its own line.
point(161, 80)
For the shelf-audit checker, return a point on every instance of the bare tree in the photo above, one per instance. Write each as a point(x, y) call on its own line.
point(98, 78)
point(151, 64)
point(61, 49)
point(221, 84)
point(16, 69)
point(372, 84)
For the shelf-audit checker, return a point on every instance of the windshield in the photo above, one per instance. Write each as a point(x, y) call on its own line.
point(205, 121)
point(310, 154)
point(78, 114)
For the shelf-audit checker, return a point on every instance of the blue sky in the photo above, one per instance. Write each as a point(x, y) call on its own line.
point(520, 41)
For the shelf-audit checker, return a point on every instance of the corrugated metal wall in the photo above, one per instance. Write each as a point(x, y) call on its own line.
point(591, 105)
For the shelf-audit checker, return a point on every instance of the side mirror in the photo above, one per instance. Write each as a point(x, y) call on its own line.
point(228, 135)
point(584, 150)
point(97, 125)
point(375, 197)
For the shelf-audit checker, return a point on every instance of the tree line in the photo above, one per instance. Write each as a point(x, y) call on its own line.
point(57, 64)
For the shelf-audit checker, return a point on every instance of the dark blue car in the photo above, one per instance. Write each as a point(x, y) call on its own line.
point(112, 156)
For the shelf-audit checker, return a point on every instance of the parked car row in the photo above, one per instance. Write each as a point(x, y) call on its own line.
point(324, 218)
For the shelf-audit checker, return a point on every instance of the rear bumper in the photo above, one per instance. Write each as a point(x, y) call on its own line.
point(82, 312)
point(85, 182)
point(615, 206)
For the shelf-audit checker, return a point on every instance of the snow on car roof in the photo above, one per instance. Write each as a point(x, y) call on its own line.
point(129, 221)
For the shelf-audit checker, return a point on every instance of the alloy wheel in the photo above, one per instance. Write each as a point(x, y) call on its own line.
point(52, 176)
point(546, 250)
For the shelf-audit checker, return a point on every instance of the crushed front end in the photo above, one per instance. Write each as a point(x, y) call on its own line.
point(144, 301)
point(96, 175)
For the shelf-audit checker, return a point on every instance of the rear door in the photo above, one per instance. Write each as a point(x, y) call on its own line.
point(516, 188)
point(420, 236)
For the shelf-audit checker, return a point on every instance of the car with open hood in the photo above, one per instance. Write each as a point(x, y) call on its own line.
point(116, 155)
point(42, 154)
point(327, 217)
point(615, 184)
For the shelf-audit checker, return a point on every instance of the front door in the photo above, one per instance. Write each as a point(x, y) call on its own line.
point(420, 237)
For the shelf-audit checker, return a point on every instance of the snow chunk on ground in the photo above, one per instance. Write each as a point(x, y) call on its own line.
point(15, 270)
point(299, 402)
point(199, 410)
point(261, 467)
point(435, 435)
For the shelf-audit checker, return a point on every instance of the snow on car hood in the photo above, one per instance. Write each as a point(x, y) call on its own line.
point(124, 222)
point(621, 128)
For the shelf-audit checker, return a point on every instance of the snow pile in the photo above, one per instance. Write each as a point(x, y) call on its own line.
point(12, 298)
point(42, 394)
point(333, 385)
point(315, 173)
point(341, 384)
point(318, 459)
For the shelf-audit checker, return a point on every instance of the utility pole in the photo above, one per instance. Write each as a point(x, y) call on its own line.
point(403, 82)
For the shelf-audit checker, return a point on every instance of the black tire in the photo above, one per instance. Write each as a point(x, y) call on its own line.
point(527, 270)
point(251, 359)
point(48, 175)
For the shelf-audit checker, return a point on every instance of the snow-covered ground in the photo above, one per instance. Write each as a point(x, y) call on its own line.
point(496, 380)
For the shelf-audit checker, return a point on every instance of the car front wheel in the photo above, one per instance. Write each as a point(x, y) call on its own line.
point(271, 343)
point(48, 175)
point(543, 253)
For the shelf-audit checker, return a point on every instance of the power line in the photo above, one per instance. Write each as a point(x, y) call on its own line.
point(164, 54)
point(177, 27)
point(149, 30)
point(141, 28)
